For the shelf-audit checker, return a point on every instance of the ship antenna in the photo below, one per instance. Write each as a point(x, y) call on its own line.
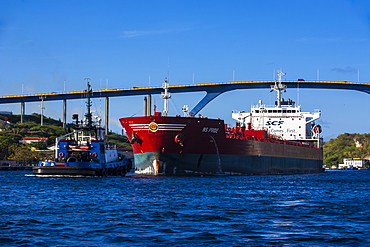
point(165, 95)
point(88, 115)
point(278, 87)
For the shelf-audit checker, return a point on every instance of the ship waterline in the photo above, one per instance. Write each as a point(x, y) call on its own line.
point(203, 164)
point(279, 139)
point(204, 146)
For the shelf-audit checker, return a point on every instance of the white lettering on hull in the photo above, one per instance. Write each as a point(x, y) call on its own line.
point(210, 130)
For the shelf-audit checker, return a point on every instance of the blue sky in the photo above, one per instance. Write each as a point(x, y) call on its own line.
point(49, 46)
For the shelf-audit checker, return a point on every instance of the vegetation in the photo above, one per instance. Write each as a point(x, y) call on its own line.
point(11, 134)
point(335, 150)
point(346, 146)
point(118, 140)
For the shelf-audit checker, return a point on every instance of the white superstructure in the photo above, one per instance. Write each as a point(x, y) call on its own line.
point(284, 120)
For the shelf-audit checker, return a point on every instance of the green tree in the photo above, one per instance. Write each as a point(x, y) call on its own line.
point(119, 140)
point(25, 155)
point(346, 146)
point(37, 145)
point(7, 140)
point(10, 148)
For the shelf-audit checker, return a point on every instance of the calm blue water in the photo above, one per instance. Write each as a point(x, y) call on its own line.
point(329, 209)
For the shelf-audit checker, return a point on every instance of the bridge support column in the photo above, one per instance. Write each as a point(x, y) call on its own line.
point(23, 106)
point(209, 96)
point(64, 114)
point(145, 106)
point(106, 115)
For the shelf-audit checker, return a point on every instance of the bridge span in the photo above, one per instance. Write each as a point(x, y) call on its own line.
point(212, 91)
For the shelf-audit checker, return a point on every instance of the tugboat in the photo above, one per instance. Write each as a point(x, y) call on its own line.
point(279, 139)
point(84, 152)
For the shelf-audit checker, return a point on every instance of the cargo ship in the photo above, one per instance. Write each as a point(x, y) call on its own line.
point(278, 139)
point(85, 151)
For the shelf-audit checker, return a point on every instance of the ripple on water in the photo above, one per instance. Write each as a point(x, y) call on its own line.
point(326, 209)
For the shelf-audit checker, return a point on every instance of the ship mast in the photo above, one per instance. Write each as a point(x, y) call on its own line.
point(278, 87)
point(88, 115)
point(165, 95)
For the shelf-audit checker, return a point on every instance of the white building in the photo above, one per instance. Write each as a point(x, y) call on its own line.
point(352, 163)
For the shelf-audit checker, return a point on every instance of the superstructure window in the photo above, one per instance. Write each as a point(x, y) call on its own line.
point(257, 111)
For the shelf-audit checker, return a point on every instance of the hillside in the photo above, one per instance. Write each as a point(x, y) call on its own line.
point(346, 146)
point(11, 133)
point(34, 118)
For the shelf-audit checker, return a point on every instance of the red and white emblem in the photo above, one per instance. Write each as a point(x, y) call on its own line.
point(153, 126)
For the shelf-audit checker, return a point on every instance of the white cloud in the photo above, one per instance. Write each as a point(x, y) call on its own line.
point(346, 70)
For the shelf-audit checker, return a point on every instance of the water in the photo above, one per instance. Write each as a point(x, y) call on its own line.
point(329, 209)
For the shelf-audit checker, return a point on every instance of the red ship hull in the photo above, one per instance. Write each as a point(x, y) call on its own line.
point(187, 145)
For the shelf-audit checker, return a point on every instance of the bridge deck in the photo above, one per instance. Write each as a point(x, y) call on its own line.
point(213, 90)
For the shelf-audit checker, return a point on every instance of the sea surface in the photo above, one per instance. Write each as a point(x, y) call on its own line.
point(328, 209)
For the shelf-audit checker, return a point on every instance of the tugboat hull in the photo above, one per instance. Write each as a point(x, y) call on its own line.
point(50, 168)
point(85, 151)
point(64, 171)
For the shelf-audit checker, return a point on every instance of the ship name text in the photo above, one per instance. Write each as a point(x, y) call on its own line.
point(210, 130)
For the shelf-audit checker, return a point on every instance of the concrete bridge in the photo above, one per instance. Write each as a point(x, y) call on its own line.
point(212, 91)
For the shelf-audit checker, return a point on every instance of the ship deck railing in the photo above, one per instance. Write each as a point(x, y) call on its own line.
point(239, 133)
